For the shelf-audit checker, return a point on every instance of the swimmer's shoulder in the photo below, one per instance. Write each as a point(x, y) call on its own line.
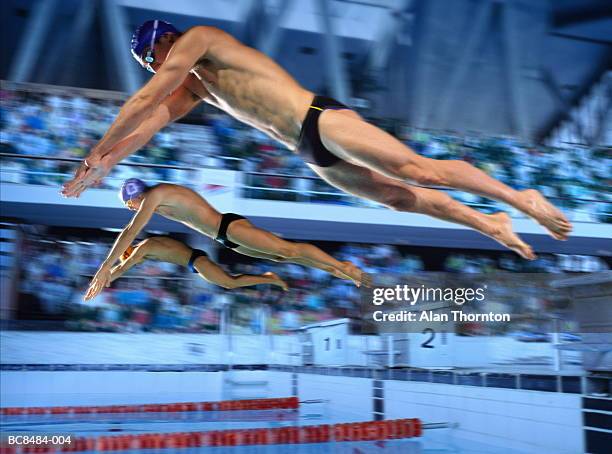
point(160, 192)
point(165, 191)
point(208, 33)
point(163, 188)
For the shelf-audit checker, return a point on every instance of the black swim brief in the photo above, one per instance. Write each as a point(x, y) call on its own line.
point(197, 253)
point(310, 147)
point(226, 220)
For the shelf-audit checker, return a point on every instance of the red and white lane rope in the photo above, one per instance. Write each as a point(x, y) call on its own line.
point(224, 405)
point(358, 431)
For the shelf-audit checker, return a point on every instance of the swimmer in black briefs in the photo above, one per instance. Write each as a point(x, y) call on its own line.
point(166, 249)
point(186, 206)
point(226, 220)
point(310, 147)
point(206, 64)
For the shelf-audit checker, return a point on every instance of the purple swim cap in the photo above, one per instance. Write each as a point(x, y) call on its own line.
point(132, 188)
point(147, 34)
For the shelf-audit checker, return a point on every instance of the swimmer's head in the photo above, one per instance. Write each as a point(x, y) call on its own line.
point(132, 192)
point(151, 43)
point(126, 254)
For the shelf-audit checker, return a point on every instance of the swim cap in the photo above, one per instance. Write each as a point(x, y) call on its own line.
point(148, 33)
point(132, 188)
point(126, 254)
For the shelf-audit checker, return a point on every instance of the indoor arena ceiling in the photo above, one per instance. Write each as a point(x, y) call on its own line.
point(465, 65)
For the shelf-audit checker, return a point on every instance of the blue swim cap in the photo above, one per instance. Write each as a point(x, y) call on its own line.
point(132, 188)
point(148, 33)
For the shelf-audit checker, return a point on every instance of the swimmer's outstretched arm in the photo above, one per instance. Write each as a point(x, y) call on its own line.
point(125, 238)
point(187, 50)
point(100, 161)
point(179, 103)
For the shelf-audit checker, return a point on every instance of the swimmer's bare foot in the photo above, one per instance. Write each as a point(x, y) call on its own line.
point(545, 213)
point(354, 273)
point(501, 231)
point(276, 280)
point(348, 272)
point(367, 280)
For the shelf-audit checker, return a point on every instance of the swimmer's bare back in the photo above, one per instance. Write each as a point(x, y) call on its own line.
point(251, 87)
point(186, 206)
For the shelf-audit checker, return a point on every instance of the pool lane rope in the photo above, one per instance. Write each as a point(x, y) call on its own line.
point(224, 405)
point(357, 431)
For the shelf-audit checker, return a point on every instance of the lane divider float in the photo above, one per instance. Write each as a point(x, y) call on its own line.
point(324, 433)
point(224, 405)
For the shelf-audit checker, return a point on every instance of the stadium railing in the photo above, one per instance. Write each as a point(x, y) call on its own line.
point(250, 188)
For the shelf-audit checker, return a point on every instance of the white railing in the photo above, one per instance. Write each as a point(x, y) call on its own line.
point(249, 190)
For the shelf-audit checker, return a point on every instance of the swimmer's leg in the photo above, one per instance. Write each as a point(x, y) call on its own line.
point(367, 280)
point(400, 196)
point(247, 235)
point(214, 274)
point(348, 136)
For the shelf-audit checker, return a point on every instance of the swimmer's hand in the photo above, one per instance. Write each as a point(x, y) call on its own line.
point(90, 173)
point(97, 284)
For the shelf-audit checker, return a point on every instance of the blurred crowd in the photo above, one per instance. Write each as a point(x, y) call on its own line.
point(156, 297)
point(55, 272)
point(67, 125)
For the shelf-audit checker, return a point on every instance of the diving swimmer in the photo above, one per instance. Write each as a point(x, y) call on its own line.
point(235, 232)
point(166, 249)
point(208, 64)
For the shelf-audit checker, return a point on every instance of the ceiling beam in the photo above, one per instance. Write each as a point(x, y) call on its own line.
point(122, 65)
point(382, 45)
point(250, 17)
point(563, 102)
point(270, 38)
point(418, 66)
point(584, 39)
point(30, 46)
point(587, 11)
point(512, 63)
point(559, 116)
point(462, 65)
point(604, 128)
point(337, 78)
point(80, 27)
